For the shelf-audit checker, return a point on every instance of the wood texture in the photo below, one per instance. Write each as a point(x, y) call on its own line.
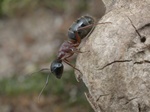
point(116, 59)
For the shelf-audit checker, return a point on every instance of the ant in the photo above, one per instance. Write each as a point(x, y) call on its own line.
point(76, 33)
point(80, 29)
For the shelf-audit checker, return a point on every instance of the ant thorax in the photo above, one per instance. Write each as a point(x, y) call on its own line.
point(66, 50)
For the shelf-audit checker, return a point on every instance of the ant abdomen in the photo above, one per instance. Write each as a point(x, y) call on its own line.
point(82, 26)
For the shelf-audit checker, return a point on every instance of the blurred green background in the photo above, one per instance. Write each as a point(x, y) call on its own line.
point(31, 33)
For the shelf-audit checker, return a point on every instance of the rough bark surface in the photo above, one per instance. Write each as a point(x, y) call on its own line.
point(116, 59)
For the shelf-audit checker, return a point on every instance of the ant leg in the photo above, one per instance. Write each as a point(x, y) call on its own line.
point(43, 69)
point(67, 62)
point(91, 25)
point(47, 79)
point(78, 40)
point(78, 51)
point(75, 50)
point(78, 37)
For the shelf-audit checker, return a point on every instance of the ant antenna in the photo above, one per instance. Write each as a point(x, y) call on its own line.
point(43, 69)
point(46, 83)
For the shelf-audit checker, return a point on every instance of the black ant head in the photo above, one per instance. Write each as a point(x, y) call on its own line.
point(57, 68)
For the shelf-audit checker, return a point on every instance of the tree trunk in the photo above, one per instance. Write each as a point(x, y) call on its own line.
point(116, 59)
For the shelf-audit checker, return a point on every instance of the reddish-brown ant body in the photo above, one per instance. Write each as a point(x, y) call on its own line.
point(80, 29)
point(77, 31)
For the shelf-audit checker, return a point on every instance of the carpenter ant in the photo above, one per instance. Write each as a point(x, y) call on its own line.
point(77, 31)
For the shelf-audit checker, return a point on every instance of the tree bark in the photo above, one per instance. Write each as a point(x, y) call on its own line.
point(116, 59)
